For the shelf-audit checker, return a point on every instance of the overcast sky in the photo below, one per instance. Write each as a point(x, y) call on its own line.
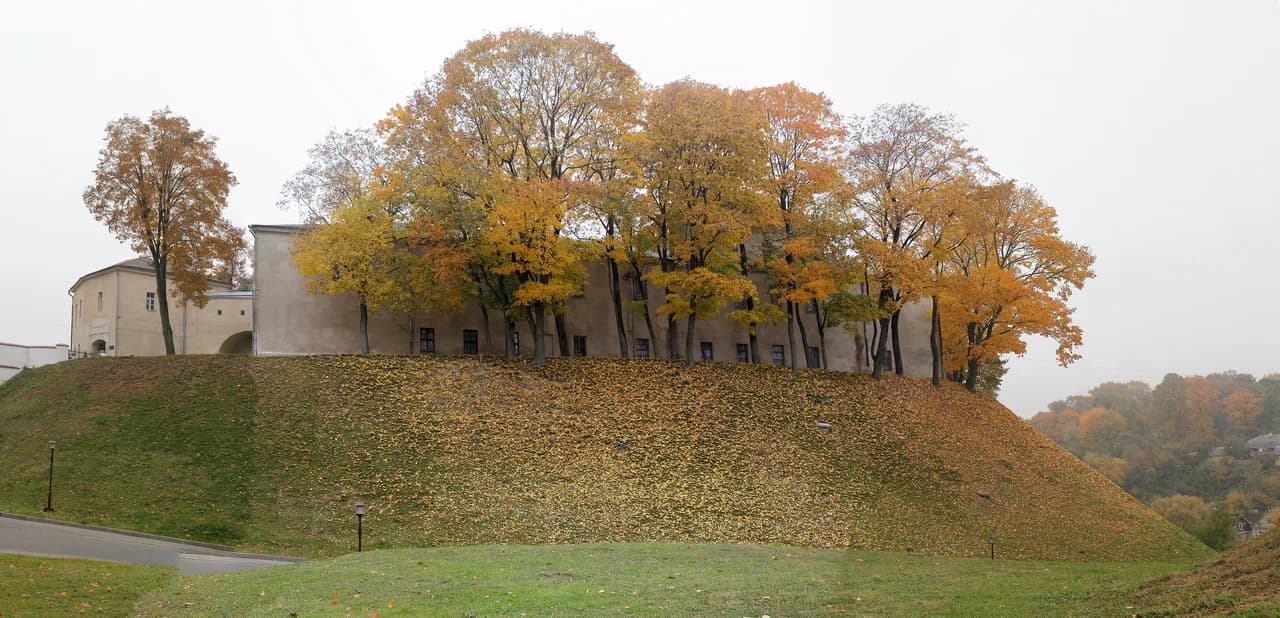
point(1152, 127)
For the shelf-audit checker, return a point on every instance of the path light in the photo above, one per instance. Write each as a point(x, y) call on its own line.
point(360, 526)
point(991, 543)
point(48, 506)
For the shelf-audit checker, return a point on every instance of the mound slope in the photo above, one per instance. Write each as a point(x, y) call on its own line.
point(1244, 581)
point(270, 453)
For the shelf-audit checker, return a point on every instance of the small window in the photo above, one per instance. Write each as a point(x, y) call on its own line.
point(810, 308)
point(742, 354)
point(242, 312)
point(219, 312)
point(888, 361)
point(151, 302)
point(707, 353)
point(100, 300)
point(470, 342)
point(515, 343)
point(579, 345)
point(779, 356)
point(637, 289)
point(426, 340)
point(642, 348)
point(812, 357)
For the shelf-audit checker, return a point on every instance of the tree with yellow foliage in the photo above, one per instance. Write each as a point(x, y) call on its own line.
point(702, 158)
point(899, 156)
point(160, 186)
point(516, 120)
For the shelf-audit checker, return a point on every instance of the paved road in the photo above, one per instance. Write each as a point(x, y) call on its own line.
point(39, 538)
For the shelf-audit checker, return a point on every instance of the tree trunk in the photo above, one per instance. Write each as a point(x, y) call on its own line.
point(753, 339)
point(821, 322)
point(488, 337)
point(971, 380)
point(509, 335)
point(688, 341)
point(935, 342)
point(673, 338)
point(804, 335)
point(791, 334)
point(162, 298)
point(561, 335)
point(897, 344)
point(615, 284)
point(644, 298)
point(364, 327)
point(538, 322)
point(882, 337)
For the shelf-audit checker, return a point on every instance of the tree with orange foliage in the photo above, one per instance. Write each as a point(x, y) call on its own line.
point(1242, 408)
point(703, 159)
point(1099, 428)
point(160, 186)
point(1012, 277)
point(802, 140)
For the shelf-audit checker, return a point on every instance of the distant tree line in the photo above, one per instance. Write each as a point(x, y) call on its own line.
point(529, 155)
point(1180, 446)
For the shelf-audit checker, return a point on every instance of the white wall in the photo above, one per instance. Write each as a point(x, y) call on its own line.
point(14, 358)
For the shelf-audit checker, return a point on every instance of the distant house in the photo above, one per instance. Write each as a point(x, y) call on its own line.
point(1266, 444)
point(1245, 528)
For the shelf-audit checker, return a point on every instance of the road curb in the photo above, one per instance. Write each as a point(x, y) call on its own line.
point(223, 550)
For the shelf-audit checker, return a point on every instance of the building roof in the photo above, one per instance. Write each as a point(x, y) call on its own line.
point(137, 264)
point(1268, 441)
point(286, 228)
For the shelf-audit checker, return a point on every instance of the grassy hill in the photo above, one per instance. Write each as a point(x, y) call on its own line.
point(1242, 582)
point(270, 454)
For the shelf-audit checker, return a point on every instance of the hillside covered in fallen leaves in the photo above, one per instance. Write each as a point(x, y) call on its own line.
point(1244, 581)
point(271, 453)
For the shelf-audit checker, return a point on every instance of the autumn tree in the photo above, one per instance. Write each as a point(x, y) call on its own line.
point(702, 158)
point(1187, 512)
point(339, 172)
point(802, 139)
point(513, 120)
point(1099, 428)
point(160, 186)
point(1013, 277)
point(899, 155)
point(356, 253)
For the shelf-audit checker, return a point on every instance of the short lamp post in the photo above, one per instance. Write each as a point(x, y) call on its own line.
point(48, 505)
point(991, 543)
point(360, 526)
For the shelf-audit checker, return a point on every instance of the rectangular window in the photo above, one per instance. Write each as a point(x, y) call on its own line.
point(579, 345)
point(637, 289)
point(151, 301)
point(642, 348)
point(99, 301)
point(888, 360)
point(779, 356)
point(470, 342)
point(810, 308)
point(812, 358)
point(515, 343)
point(743, 355)
point(707, 354)
point(426, 340)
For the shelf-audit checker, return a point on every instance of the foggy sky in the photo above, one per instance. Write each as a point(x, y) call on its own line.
point(1151, 126)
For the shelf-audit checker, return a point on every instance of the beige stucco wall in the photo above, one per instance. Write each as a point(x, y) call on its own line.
point(130, 329)
point(290, 321)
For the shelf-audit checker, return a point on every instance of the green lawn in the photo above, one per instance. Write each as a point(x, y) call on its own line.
point(658, 580)
point(55, 587)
